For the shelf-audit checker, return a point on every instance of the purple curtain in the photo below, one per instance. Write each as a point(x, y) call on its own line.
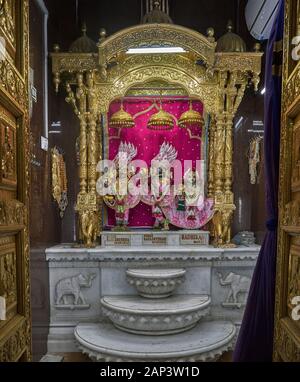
point(255, 341)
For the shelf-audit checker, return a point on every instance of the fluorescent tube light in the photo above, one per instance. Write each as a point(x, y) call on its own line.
point(171, 49)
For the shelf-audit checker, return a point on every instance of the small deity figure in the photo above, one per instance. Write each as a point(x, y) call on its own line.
point(192, 194)
point(118, 203)
point(89, 227)
point(158, 216)
point(180, 199)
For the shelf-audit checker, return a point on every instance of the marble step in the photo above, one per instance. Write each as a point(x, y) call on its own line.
point(155, 283)
point(175, 314)
point(205, 342)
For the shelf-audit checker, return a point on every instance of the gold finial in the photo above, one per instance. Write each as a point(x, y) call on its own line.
point(102, 35)
point(56, 48)
point(157, 15)
point(257, 47)
point(210, 34)
point(84, 29)
point(229, 26)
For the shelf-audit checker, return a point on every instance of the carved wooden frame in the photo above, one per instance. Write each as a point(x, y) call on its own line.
point(287, 332)
point(15, 336)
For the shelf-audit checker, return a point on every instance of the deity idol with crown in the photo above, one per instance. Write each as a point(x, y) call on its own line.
point(120, 200)
point(161, 195)
point(189, 208)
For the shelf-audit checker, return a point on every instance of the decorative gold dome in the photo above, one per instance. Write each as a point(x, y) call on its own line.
point(162, 120)
point(83, 44)
point(231, 42)
point(157, 16)
point(121, 119)
point(190, 118)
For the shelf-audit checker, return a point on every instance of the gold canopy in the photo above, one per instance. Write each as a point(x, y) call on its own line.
point(231, 42)
point(83, 44)
point(121, 119)
point(190, 118)
point(162, 120)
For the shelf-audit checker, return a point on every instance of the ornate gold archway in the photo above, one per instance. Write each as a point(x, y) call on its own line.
point(219, 80)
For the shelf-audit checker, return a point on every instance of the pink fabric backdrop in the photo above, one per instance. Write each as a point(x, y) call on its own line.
point(148, 143)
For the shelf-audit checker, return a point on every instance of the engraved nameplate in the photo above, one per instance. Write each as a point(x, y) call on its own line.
point(194, 239)
point(152, 239)
point(118, 240)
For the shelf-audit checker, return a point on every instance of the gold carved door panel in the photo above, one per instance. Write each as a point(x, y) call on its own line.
point(15, 323)
point(287, 309)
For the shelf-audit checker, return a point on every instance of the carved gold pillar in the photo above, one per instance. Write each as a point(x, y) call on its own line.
point(92, 152)
point(82, 105)
point(228, 169)
point(219, 151)
point(99, 156)
point(83, 154)
point(92, 117)
point(211, 186)
point(223, 173)
point(231, 94)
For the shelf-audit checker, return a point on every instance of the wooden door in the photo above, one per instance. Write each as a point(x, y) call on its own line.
point(287, 310)
point(15, 328)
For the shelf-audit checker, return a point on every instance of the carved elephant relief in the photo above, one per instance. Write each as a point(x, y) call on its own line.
point(72, 287)
point(237, 284)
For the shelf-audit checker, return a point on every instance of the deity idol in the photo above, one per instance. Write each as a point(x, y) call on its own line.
point(161, 196)
point(120, 201)
point(189, 209)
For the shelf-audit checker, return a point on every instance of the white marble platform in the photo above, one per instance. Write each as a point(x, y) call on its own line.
point(203, 266)
point(140, 315)
point(206, 342)
point(155, 283)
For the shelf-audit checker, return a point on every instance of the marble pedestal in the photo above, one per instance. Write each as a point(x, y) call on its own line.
point(206, 342)
point(101, 272)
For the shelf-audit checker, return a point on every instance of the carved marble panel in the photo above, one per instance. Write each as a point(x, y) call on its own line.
point(69, 291)
point(75, 293)
point(238, 287)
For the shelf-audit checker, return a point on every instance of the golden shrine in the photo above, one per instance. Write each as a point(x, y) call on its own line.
point(216, 73)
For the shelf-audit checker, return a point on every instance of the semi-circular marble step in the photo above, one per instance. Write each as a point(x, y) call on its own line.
point(155, 317)
point(155, 283)
point(206, 342)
